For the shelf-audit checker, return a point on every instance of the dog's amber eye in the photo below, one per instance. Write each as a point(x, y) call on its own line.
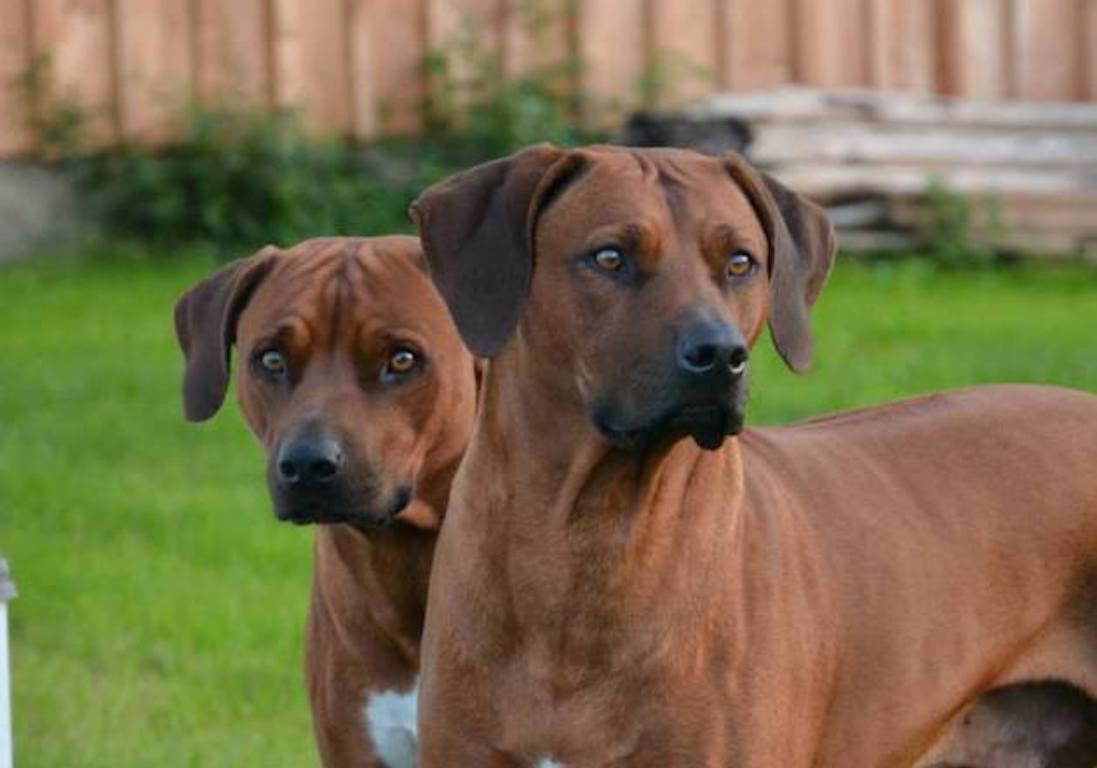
point(609, 259)
point(403, 360)
point(273, 362)
point(740, 264)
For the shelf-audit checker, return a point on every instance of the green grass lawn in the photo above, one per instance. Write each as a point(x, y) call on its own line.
point(161, 608)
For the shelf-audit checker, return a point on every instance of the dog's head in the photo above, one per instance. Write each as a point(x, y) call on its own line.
point(351, 374)
point(639, 277)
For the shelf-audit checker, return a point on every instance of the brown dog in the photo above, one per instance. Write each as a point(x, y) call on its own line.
point(354, 379)
point(606, 592)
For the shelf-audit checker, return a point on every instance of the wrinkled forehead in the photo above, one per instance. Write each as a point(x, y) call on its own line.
point(339, 285)
point(677, 190)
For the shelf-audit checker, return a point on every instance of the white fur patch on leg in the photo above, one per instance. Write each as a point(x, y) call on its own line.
point(545, 762)
point(391, 720)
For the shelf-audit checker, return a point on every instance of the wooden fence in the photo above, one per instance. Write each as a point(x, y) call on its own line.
point(354, 66)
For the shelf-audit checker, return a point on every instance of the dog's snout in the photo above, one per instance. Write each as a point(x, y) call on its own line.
point(309, 461)
point(708, 347)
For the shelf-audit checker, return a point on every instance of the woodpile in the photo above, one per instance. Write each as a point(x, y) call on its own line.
point(879, 161)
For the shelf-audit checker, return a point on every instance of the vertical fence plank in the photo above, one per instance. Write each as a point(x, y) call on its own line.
point(154, 40)
point(1088, 44)
point(232, 53)
point(830, 38)
point(387, 48)
point(754, 48)
point(74, 37)
point(365, 75)
point(535, 35)
point(1045, 49)
point(683, 38)
point(449, 20)
point(901, 45)
point(972, 48)
point(14, 59)
point(610, 43)
point(464, 28)
point(312, 63)
point(467, 34)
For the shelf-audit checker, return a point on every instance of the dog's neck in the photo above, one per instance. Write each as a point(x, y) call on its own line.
point(374, 585)
point(382, 575)
point(582, 538)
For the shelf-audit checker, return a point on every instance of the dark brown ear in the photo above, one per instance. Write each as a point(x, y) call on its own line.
point(477, 230)
point(205, 325)
point(802, 248)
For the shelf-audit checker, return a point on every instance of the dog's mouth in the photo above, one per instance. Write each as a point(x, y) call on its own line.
point(397, 504)
point(708, 424)
point(365, 516)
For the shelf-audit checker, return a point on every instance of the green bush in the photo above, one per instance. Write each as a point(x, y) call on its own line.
point(54, 120)
point(962, 233)
point(240, 178)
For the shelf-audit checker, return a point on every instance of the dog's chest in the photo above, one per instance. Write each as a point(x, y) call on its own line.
point(547, 724)
point(390, 720)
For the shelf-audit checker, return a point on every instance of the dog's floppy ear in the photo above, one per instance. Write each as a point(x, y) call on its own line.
point(205, 325)
point(477, 230)
point(802, 247)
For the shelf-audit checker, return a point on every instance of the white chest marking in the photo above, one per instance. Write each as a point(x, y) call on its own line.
point(391, 720)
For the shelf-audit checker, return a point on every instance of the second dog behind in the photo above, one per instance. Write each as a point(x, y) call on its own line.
point(353, 377)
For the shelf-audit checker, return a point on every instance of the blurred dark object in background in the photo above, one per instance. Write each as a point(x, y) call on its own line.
point(710, 135)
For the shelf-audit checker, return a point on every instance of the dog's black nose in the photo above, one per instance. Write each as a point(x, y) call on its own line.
point(705, 348)
point(309, 461)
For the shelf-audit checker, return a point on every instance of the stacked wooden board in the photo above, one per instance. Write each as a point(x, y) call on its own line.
point(1027, 170)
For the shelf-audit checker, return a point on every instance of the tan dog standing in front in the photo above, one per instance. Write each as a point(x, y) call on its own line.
point(354, 379)
point(607, 592)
